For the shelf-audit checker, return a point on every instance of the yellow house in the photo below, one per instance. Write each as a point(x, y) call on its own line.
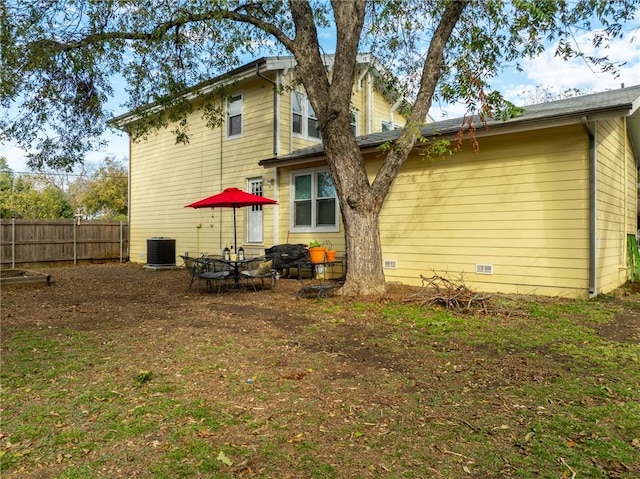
point(544, 207)
point(266, 114)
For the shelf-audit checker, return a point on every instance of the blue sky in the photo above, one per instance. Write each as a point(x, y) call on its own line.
point(546, 71)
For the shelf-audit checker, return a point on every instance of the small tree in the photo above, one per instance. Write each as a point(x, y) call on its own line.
point(104, 194)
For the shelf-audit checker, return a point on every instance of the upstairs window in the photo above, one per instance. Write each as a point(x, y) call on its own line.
point(388, 126)
point(296, 114)
point(303, 119)
point(353, 121)
point(234, 115)
point(313, 129)
point(315, 203)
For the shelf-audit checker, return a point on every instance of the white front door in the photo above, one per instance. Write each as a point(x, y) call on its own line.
point(255, 221)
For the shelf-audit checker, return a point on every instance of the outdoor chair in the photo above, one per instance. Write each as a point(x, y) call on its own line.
point(216, 272)
point(207, 269)
point(258, 270)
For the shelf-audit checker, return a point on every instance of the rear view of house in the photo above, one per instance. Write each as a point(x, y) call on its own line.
point(545, 206)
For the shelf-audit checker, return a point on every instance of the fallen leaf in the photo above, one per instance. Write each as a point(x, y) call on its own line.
point(222, 457)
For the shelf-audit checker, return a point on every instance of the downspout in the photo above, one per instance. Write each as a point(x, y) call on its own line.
point(361, 77)
point(276, 210)
point(276, 111)
point(223, 133)
point(371, 127)
point(624, 192)
point(129, 202)
point(276, 142)
point(593, 218)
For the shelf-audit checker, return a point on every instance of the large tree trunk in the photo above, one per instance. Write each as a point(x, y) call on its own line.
point(364, 253)
point(360, 208)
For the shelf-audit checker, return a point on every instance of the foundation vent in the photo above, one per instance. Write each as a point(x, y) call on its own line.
point(390, 264)
point(484, 269)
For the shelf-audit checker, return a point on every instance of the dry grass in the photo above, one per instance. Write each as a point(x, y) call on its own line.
point(116, 372)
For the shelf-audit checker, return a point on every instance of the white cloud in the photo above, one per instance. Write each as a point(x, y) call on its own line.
point(552, 72)
point(16, 157)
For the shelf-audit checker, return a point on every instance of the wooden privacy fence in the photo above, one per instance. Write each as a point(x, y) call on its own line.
point(38, 241)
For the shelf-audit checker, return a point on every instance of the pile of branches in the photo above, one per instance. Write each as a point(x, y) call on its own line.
point(450, 293)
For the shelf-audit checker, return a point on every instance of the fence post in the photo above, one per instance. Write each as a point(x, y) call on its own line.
point(13, 243)
point(121, 245)
point(75, 242)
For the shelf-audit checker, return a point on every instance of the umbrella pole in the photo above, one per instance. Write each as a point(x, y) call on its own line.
point(235, 239)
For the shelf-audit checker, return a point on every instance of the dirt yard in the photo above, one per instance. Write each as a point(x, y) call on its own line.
point(288, 372)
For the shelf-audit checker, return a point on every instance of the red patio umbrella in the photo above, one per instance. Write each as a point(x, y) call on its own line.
point(232, 198)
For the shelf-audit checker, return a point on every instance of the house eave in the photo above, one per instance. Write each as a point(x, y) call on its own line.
point(233, 76)
point(244, 72)
point(494, 127)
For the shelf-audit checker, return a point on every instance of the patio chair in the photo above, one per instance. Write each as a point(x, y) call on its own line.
point(216, 272)
point(206, 269)
point(258, 270)
point(193, 267)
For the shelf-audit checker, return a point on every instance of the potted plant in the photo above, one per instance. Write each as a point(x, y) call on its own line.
point(316, 252)
point(330, 253)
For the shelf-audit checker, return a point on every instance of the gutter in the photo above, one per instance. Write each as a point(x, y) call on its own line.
point(593, 216)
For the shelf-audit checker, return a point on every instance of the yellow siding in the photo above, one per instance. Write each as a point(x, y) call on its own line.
point(616, 187)
point(520, 204)
point(382, 110)
point(166, 176)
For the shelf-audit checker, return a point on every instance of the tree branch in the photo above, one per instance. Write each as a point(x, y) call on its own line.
point(161, 29)
point(431, 73)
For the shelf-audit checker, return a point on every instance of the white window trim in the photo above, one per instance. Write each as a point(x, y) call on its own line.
point(304, 121)
point(311, 229)
point(356, 123)
point(394, 126)
point(237, 135)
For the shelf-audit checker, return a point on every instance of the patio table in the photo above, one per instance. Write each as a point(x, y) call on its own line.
point(235, 265)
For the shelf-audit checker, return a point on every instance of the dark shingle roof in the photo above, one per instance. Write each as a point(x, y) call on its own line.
point(624, 101)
